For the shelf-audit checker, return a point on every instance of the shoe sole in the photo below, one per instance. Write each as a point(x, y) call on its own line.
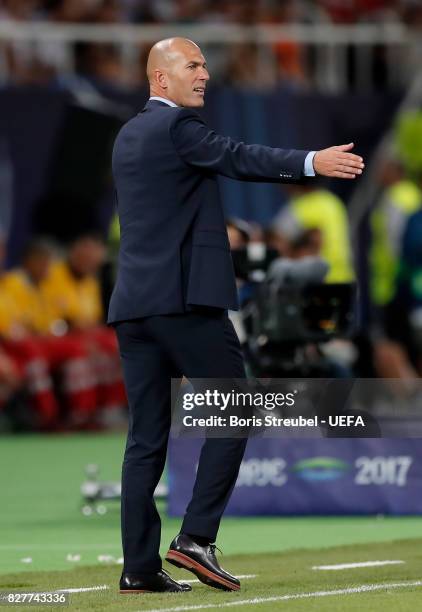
point(129, 592)
point(203, 574)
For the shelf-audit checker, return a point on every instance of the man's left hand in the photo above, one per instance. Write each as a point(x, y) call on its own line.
point(337, 162)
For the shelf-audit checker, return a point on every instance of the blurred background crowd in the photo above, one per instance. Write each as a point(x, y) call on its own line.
point(329, 274)
point(242, 60)
point(207, 11)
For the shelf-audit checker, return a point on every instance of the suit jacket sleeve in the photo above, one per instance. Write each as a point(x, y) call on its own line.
point(202, 148)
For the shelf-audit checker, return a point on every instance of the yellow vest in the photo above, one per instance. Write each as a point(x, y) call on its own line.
point(387, 223)
point(22, 304)
point(75, 300)
point(321, 209)
point(7, 310)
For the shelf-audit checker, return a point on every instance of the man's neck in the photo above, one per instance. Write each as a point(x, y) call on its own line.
point(154, 96)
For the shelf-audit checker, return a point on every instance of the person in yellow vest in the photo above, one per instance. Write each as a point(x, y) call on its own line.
point(401, 198)
point(314, 223)
point(16, 333)
point(400, 179)
point(322, 217)
point(73, 291)
point(31, 337)
point(71, 286)
point(29, 313)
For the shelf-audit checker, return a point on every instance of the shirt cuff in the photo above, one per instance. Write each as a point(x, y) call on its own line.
point(308, 166)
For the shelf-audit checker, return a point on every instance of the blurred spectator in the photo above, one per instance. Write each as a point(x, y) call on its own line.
point(408, 138)
point(314, 221)
point(352, 11)
point(188, 11)
point(249, 65)
point(258, 66)
point(307, 244)
point(262, 66)
point(30, 314)
point(99, 63)
point(39, 355)
point(147, 11)
point(394, 255)
point(290, 61)
point(398, 330)
point(232, 11)
point(71, 11)
point(50, 325)
point(399, 198)
point(215, 11)
point(109, 11)
point(38, 62)
point(276, 241)
point(289, 54)
point(243, 12)
point(19, 10)
point(24, 65)
point(72, 287)
point(410, 12)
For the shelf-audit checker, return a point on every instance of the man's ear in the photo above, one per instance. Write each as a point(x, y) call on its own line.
point(161, 79)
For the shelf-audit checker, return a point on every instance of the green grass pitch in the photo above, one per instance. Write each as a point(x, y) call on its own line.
point(40, 519)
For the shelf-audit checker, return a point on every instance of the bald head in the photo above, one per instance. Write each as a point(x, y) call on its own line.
point(176, 70)
point(165, 52)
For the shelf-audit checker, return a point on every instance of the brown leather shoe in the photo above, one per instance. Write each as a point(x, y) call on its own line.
point(201, 561)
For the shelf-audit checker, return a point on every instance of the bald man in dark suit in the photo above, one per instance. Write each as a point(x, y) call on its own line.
point(169, 307)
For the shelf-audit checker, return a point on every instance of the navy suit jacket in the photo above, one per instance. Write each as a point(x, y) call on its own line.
point(174, 251)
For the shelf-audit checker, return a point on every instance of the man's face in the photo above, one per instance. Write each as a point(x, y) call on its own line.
point(38, 265)
point(86, 256)
point(187, 77)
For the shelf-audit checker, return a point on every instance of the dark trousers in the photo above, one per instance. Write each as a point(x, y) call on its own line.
point(200, 344)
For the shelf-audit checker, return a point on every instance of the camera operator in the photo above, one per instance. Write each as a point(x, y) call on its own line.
point(286, 304)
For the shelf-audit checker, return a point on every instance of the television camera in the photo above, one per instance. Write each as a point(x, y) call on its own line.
point(288, 312)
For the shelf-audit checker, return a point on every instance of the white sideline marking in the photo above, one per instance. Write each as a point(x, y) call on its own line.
point(341, 566)
point(101, 587)
point(58, 546)
point(244, 577)
point(363, 588)
point(104, 587)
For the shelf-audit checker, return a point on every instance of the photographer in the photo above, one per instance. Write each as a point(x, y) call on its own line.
point(290, 318)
